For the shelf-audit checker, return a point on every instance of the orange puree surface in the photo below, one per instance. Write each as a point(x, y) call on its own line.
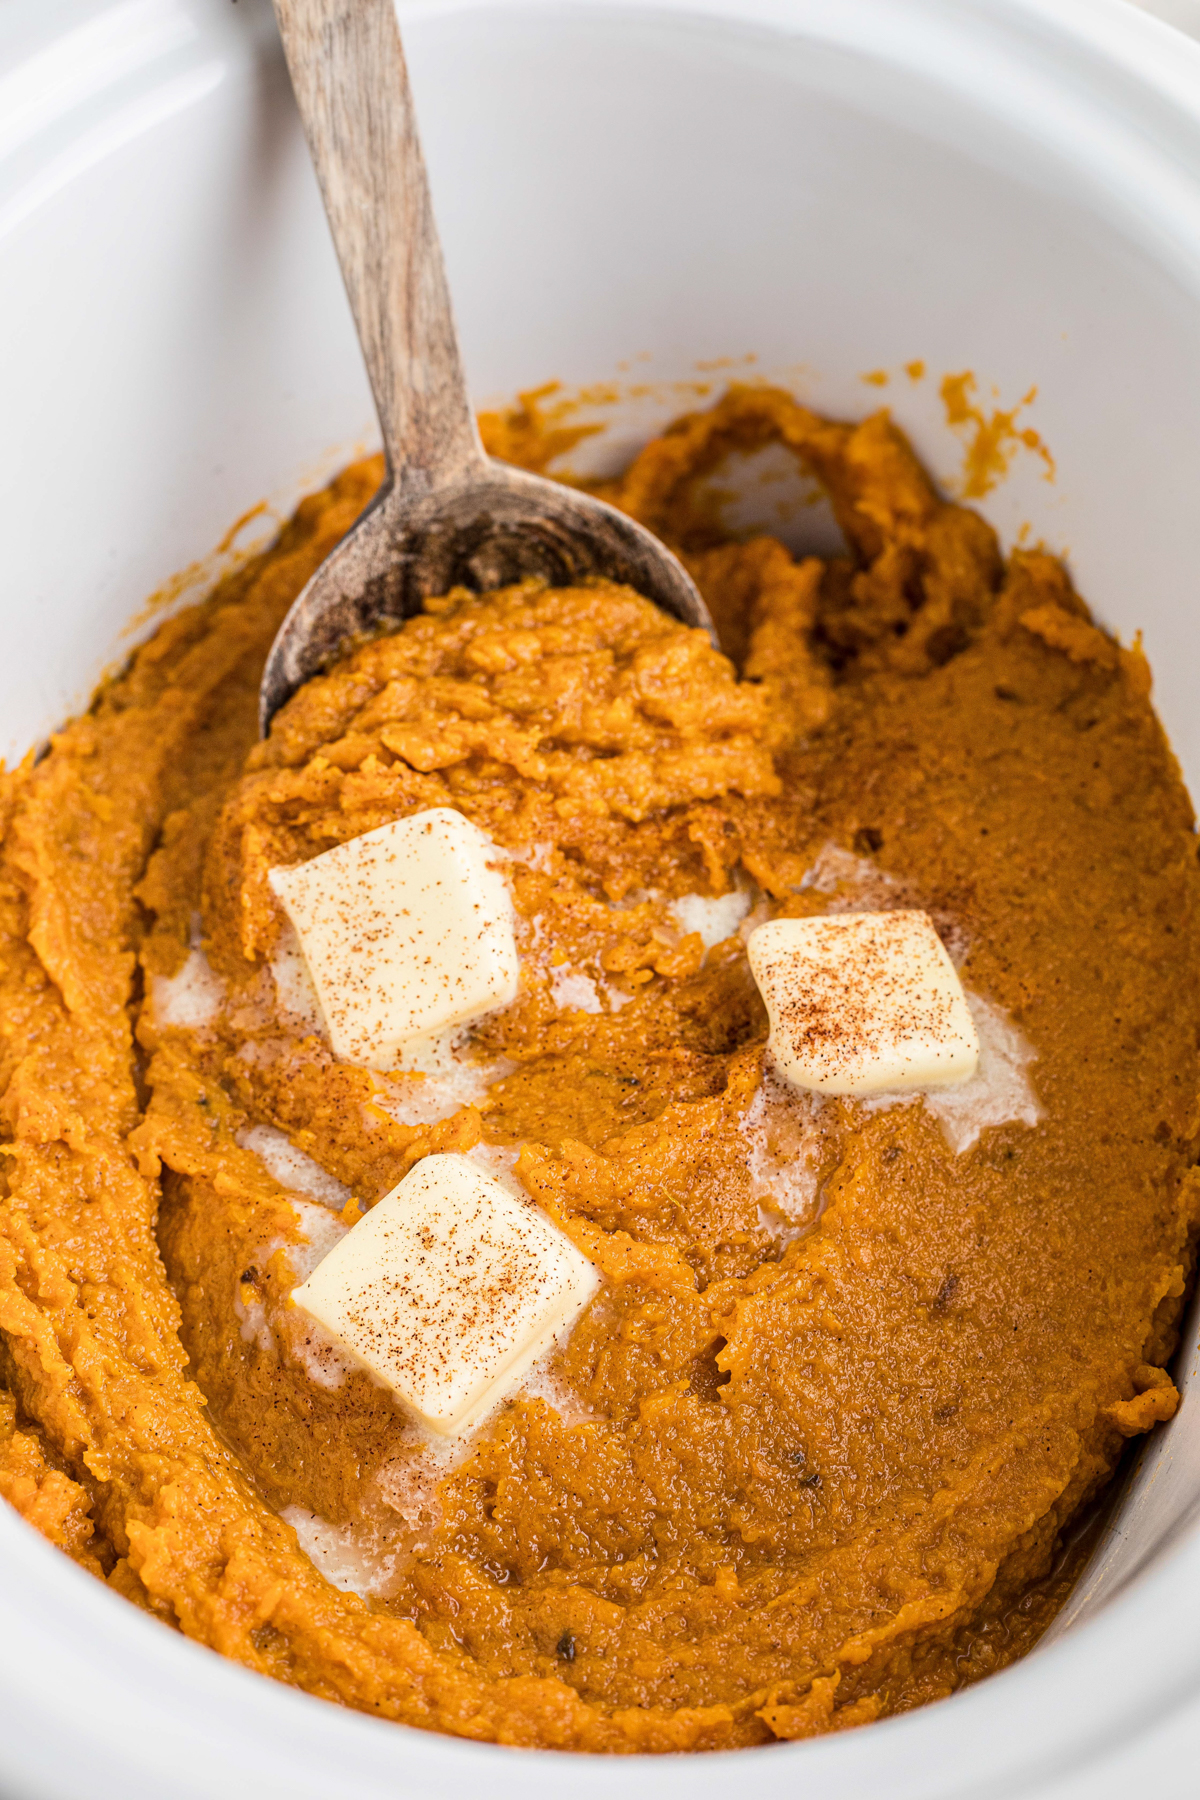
point(818, 1450)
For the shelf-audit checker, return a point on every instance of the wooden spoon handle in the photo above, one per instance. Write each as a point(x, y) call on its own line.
point(351, 85)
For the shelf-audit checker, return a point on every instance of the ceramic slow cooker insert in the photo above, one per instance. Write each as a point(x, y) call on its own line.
point(628, 192)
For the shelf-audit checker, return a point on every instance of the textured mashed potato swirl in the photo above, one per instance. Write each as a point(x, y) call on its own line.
point(815, 1452)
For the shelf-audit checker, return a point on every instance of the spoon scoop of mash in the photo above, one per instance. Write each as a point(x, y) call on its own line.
point(447, 515)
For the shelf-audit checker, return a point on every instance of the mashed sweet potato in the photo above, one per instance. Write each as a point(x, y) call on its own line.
point(815, 1452)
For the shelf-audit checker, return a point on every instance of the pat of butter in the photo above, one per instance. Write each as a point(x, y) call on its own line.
point(448, 1290)
point(863, 1003)
point(405, 931)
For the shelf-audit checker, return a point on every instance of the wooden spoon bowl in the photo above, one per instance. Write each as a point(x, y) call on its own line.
point(496, 527)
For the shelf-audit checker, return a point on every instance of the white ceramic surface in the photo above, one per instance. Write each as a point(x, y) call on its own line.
point(833, 186)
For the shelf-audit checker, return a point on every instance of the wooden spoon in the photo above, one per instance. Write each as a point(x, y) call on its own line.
point(446, 515)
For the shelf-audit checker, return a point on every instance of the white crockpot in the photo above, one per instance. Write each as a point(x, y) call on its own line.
point(830, 186)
